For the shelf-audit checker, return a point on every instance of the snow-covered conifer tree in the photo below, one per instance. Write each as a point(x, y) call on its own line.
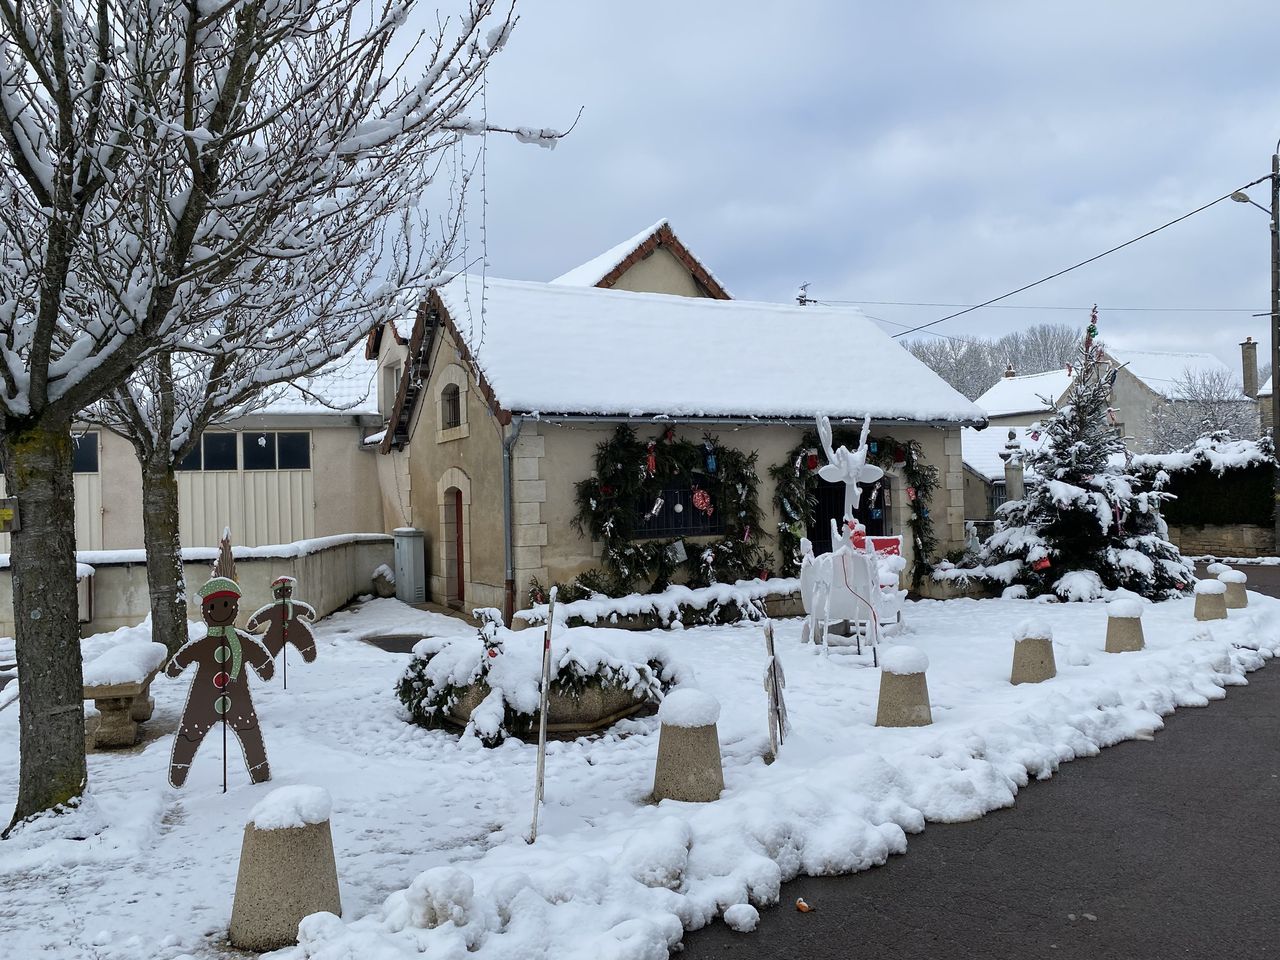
point(193, 186)
point(1082, 525)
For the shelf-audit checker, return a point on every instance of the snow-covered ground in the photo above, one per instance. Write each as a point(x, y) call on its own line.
point(429, 829)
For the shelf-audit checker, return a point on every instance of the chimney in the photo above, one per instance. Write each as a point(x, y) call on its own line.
point(1010, 373)
point(1249, 362)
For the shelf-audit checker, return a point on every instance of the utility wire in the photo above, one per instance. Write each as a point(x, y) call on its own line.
point(1077, 266)
point(1022, 306)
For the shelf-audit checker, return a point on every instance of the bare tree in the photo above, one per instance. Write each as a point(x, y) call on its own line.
point(187, 183)
point(1204, 401)
point(973, 365)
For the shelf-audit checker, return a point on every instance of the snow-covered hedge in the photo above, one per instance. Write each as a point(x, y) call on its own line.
point(506, 667)
point(717, 603)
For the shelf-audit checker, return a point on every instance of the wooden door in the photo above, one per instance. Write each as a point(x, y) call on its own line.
point(459, 560)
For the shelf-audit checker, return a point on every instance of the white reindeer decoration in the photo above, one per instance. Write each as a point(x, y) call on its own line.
point(844, 585)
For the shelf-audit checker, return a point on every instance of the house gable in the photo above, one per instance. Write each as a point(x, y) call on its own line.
point(653, 261)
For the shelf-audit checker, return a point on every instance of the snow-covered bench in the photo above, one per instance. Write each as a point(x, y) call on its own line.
point(119, 684)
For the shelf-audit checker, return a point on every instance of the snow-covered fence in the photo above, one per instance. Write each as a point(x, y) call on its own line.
point(331, 571)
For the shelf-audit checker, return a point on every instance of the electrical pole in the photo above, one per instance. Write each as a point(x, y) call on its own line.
point(1275, 325)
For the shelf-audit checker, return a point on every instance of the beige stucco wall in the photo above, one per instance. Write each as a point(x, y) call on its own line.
point(327, 579)
point(976, 500)
point(121, 492)
point(344, 479)
point(660, 272)
point(474, 451)
point(1134, 402)
point(569, 452)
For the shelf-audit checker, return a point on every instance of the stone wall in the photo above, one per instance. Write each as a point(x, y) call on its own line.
point(330, 573)
point(1236, 540)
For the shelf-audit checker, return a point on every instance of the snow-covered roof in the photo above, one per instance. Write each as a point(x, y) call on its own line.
point(1161, 370)
point(980, 449)
point(597, 269)
point(1265, 389)
point(1025, 394)
point(558, 349)
point(345, 387)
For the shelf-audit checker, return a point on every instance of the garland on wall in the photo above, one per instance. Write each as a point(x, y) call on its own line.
point(797, 482)
point(626, 493)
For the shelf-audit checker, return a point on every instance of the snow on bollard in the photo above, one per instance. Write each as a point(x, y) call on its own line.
point(904, 695)
point(1216, 569)
point(1124, 626)
point(1237, 598)
point(1211, 600)
point(287, 869)
point(1032, 653)
point(688, 765)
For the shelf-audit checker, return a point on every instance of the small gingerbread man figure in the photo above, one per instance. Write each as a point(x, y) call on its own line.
point(220, 690)
point(286, 621)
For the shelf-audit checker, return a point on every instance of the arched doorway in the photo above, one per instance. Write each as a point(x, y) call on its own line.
point(453, 541)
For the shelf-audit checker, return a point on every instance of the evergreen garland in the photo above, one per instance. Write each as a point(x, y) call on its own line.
point(797, 482)
point(630, 475)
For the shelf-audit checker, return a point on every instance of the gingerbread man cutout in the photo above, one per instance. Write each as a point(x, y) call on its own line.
point(220, 690)
point(286, 621)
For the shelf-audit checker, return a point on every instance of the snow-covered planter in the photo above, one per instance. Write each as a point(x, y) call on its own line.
point(487, 685)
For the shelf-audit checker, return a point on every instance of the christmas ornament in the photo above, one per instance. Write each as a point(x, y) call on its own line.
point(746, 535)
point(1041, 564)
point(606, 490)
point(899, 455)
point(651, 461)
point(811, 459)
point(1035, 434)
point(709, 456)
point(669, 435)
point(911, 494)
point(678, 508)
point(702, 501)
point(655, 509)
point(874, 446)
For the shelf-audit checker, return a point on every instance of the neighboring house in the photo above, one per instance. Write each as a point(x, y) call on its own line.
point(984, 478)
point(292, 470)
point(504, 389)
point(1145, 381)
point(1265, 410)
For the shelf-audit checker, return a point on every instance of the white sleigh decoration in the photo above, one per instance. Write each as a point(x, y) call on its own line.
point(850, 585)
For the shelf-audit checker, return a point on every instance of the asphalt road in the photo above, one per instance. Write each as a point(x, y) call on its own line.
point(1149, 851)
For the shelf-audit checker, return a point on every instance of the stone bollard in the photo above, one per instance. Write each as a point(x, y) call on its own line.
point(1211, 600)
point(1124, 626)
point(1033, 653)
point(688, 748)
point(904, 695)
point(287, 869)
point(1216, 568)
point(1237, 598)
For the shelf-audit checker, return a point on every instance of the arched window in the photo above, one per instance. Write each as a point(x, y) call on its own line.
point(451, 407)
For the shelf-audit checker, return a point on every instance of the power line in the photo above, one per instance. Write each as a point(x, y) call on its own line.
point(1077, 266)
point(1020, 306)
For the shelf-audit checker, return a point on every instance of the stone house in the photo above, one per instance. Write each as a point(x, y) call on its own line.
point(498, 395)
point(1145, 381)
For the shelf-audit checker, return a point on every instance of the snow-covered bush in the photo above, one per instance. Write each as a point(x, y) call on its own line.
point(1084, 525)
point(497, 672)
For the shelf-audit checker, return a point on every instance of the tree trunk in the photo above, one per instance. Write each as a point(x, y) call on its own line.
point(47, 633)
point(165, 581)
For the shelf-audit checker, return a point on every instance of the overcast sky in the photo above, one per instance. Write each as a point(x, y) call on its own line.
point(931, 151)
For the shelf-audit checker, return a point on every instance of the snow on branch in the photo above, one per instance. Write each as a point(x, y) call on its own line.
point(209, 198)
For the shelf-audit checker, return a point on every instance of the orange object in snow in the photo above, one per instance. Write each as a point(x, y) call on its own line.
point(802, 906)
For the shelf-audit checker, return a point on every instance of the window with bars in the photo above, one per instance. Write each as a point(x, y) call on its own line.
point(676, 516)
point(451, 407)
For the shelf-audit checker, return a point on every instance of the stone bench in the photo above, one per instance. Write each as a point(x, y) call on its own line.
point(119, 684)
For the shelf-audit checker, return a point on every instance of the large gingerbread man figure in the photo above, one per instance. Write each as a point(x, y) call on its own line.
point(220, 690)
point(286, 621)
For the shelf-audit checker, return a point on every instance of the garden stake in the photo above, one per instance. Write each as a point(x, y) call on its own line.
point(542, 713)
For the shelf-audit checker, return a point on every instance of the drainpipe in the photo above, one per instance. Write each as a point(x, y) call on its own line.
point(509, 587)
